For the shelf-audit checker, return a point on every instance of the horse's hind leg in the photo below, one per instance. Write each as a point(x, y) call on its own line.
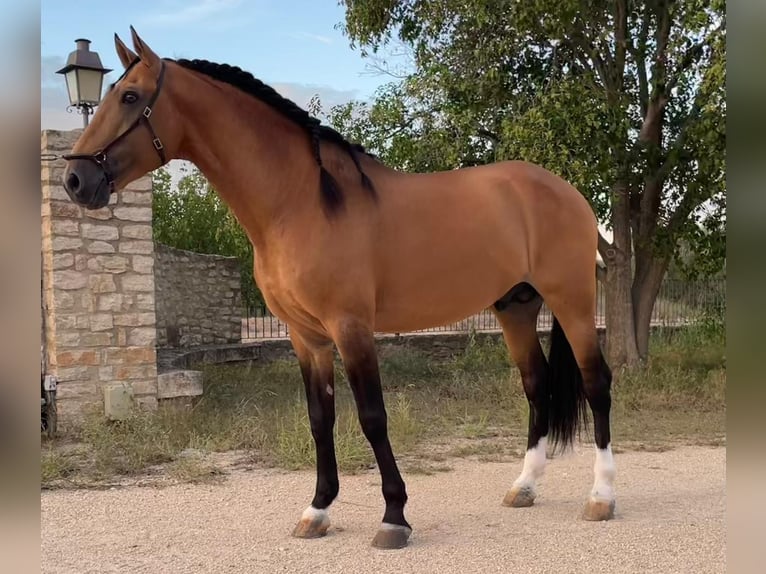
point(517, 314)
point(576, 360)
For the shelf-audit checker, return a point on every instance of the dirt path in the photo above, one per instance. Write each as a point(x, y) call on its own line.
point(670, 518)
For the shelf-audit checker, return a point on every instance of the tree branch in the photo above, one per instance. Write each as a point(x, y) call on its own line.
point(692, 55)
point(677, 146)
point(620, 41)
point(639, 56)
point(661, 41)
point(682, 211)
point(591, 57)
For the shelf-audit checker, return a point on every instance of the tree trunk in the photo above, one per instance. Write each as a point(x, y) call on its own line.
point(621, 348)
point(645, 289)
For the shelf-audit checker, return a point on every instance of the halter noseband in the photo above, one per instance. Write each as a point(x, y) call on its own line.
point(100, 158)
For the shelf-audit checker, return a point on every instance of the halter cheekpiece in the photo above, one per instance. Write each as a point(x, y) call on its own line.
point(101, 158)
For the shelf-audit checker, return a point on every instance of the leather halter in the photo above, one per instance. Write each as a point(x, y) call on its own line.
point(101, 158)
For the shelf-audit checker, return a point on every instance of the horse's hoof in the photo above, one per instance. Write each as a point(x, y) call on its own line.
point(313, 524)
point(596, 510)
point(519, 497)
point(391, 536)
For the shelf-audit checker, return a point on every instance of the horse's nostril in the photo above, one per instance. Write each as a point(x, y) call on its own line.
point(73, 182)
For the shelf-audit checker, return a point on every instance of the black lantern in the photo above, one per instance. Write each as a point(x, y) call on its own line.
point(84, 78)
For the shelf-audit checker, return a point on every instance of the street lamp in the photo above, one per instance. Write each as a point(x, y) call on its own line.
point(84, 77)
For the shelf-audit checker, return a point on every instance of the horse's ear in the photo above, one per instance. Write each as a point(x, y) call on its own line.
point(147, 55)
point(126, 55)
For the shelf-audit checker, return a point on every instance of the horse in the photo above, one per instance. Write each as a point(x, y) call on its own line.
point(346, 247)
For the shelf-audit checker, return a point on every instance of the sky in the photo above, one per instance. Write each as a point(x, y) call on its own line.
point(293, 45)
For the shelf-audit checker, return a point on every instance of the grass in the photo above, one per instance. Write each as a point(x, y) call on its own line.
point(472, 405)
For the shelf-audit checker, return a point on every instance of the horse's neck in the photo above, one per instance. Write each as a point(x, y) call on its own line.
point(252, 156)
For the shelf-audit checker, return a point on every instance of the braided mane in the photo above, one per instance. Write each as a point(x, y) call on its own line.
point(235, 76)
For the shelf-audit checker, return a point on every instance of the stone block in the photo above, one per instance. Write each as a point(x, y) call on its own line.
point(145, 301)
point(179, 384)
point(96, 339)
point(101, 214)
point(130, 355)
point(137, 232)
point(109, 263)
point(62, 260)
point(126, 372)
point(66, 243)
point(102, 283)
point(142, 336)
point(118, 401)
point(143, 264)
point(68, 339)
point(100, 247)
point(76, 390)
point(65, 227)
point(65, 209)
point(78, 373)
point(145, 387)
point(134, 319)
point(101, 322)
point(136, 197)
point(133, 213)
point(69, 280)
point(77, 358)
point(138, 283)
point(102, 232)
point(80, 262)
point(140, 247)
point(111, 302)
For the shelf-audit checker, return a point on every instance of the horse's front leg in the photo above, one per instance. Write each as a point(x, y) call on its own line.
point(356, 345)
point(316, 363)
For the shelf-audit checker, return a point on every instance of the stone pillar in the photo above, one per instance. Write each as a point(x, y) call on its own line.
point(98, 289)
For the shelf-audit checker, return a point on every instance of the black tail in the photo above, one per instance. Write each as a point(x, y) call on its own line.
point(568, 405)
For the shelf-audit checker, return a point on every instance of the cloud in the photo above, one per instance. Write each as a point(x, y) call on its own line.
point(301, 94)
point(187, 13)
point(316, 37)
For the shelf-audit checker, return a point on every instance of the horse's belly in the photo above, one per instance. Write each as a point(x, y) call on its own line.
point(436, 294)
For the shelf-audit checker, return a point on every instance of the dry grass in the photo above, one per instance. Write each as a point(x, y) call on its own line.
point(472, 405)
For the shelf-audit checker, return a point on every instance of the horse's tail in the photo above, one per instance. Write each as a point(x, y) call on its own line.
point(568, 405)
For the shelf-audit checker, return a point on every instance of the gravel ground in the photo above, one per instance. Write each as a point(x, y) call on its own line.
point(670, 517)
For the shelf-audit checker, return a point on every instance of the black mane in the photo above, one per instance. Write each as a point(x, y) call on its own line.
point(235, 76)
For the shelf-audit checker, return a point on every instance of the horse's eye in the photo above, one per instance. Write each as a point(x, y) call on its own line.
point(129, 98)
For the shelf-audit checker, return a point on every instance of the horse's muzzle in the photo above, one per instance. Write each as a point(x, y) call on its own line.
point(86, 184)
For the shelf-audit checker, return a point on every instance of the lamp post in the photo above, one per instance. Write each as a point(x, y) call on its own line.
point(84, 78)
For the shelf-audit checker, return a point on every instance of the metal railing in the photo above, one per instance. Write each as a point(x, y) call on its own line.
point(678, 303)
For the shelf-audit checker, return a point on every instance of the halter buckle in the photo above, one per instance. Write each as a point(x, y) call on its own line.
point(157, 144)
point(147, 112)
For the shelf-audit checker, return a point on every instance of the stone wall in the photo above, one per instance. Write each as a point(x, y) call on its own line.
point(98, 288)
point(198, 298)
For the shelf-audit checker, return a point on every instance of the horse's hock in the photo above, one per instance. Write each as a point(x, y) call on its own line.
point(111, 296)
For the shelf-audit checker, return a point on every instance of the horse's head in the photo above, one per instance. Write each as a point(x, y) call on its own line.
point(131, 134)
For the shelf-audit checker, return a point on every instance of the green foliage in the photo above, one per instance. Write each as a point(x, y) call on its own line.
point(193, 217)
point(575, 86)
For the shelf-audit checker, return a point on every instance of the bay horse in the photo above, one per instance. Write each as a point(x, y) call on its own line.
point(346, 247)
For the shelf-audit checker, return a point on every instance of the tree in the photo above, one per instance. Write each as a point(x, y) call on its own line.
point(624, 99)
point(193, 217)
